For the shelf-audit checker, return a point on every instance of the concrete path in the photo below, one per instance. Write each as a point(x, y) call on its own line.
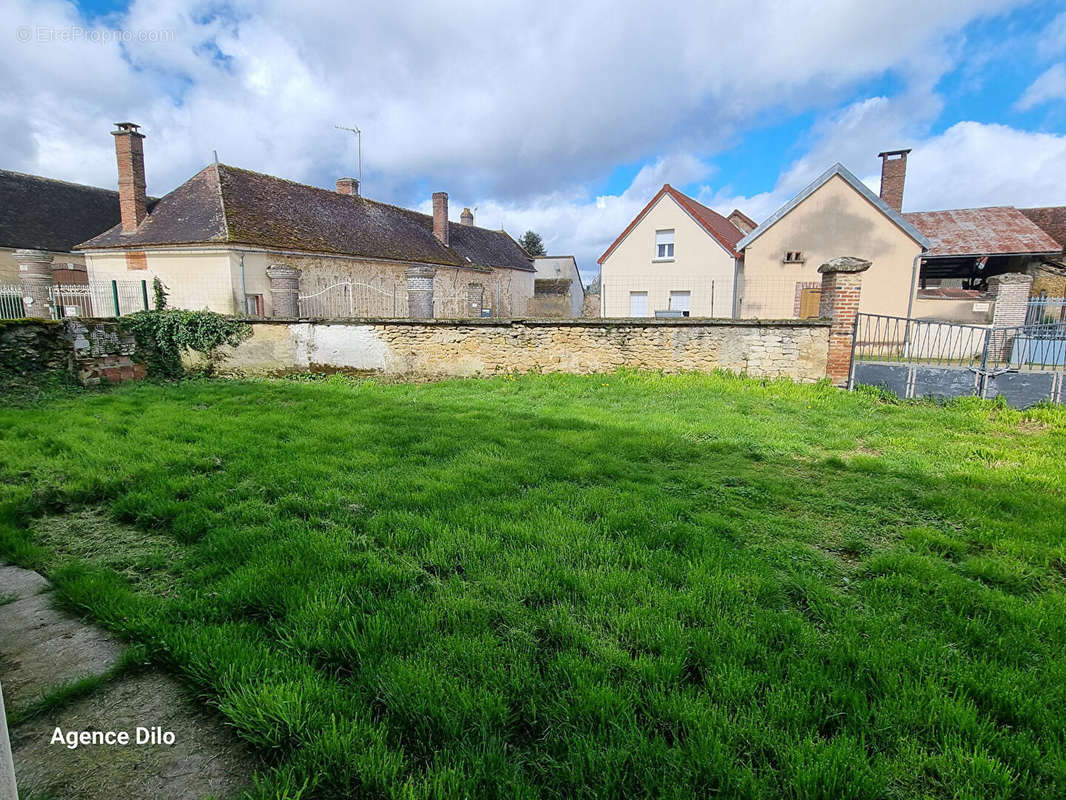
point(42, 648)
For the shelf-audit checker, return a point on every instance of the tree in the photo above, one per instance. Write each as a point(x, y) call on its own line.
point(532, 244)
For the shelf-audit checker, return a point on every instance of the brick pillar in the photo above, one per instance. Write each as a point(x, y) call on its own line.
point(841, 286)
point(1011, 291)
point(35, 275)
point(420, 291)
point(475, 298)
point(284, 290)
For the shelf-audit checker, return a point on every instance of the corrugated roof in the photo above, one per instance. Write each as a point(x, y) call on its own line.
point(1051, 220)
point(45, 214)
point(980, 232)
point(722, 230)
point(224, 204)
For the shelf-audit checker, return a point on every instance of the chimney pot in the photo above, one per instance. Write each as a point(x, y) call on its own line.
point(467, 217)
point(893, 176)
point(132, 194)
point(440, 217)
point(348, 186)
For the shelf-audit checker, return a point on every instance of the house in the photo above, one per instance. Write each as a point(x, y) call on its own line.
point(211, 240)
point(557, 287)
point(677, 257)
point(742, 221)
point(836, 215)
point(44, 214)
point(1049, 273)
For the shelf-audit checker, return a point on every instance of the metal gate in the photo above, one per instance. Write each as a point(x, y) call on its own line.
point(1024, 365)
point(347, 299)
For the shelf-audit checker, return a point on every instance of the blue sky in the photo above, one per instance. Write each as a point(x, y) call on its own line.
point(557, 115)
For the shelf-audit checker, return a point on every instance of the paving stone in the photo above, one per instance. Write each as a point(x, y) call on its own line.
point(21, 582)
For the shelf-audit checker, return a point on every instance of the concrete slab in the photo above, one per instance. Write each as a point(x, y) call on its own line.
point(20, 582)
point(206, 758)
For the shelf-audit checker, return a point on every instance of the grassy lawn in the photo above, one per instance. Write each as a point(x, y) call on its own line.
point(608, 586)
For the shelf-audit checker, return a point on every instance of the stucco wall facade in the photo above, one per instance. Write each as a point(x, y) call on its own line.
point(796, 350)
point(700, 265)
point(835, 220)
point(550, 267)
point(195, 279)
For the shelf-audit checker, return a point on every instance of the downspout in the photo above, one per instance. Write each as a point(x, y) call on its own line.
point(244, 285)
point(910, 304)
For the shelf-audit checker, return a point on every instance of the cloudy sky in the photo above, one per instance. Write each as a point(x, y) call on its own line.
point(564, 117)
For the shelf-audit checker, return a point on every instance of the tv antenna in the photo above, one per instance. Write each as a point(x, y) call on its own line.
point(359, 146)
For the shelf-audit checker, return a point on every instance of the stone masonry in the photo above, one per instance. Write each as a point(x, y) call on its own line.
point(841, 287)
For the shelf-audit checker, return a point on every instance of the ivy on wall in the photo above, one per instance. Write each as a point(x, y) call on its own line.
point(165, 335)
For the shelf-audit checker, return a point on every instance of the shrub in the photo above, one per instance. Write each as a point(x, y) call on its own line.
point(165, 335)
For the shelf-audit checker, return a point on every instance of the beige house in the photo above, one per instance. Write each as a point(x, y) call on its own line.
point(836, 215)
point(677, 257)
point(212, 239)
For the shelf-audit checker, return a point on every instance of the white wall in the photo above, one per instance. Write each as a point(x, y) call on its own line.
point(700, 265)
point(563, 267)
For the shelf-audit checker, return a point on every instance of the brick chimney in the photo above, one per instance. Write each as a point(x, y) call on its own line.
point(132, 196)
point(467, 217)
point(348, 186)
point(440, 217)
point(893, 174)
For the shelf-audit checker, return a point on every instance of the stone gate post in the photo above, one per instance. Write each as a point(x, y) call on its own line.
point(420, 291)
point(841, 287)
point(284, 290)
point(35, 275)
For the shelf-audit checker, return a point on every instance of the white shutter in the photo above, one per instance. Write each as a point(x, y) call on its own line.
point(638, 304)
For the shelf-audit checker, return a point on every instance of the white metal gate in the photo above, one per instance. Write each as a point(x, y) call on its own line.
point(350, 299)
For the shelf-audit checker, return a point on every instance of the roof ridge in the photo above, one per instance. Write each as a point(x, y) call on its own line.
point(58, 180)
point(221, 201)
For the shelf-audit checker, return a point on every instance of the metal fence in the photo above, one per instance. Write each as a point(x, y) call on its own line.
point(93, 299)
point(1042, 310)
point(345, 298)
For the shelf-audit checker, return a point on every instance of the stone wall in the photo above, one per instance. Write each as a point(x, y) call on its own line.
point(91, 351)
point(794, 349)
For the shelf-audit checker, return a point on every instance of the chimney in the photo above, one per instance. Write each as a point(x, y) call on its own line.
point(440, 217)
point(893, 174)
point(132, 197)
point(348, 186)
point(467, 217)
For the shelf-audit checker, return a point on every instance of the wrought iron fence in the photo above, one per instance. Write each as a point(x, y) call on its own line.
point(11, 302)
point(1042, 310)
point(982, 348)
point(348, 299)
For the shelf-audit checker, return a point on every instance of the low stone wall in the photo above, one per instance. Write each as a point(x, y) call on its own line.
point(91, 351)
point(794, 349)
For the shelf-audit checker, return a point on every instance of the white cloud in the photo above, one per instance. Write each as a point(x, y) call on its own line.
point(1050, 85)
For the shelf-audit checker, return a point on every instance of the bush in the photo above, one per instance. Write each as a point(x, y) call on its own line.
point(165, 335)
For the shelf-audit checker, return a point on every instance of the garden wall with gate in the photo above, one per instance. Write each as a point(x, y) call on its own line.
point(795, 349)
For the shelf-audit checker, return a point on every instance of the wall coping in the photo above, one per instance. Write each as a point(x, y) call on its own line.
point(565, 322)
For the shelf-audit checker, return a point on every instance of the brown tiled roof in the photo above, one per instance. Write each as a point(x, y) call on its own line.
point(224, 204)
point(45, 214)
point(980, 231)
point(724, 231)
point(1051, 220)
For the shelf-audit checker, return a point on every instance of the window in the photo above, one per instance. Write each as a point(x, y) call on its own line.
point(254, 306)
point(794, 257)
point(664, 244)
point(638, 304)
point(681, 301)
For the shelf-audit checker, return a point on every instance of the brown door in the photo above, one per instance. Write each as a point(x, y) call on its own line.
point(809, 302)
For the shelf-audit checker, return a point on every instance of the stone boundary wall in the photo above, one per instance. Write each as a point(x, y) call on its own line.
point(796, 349)
point(90, 350)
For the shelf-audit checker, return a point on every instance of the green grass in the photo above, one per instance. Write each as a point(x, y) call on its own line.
point(607, 586)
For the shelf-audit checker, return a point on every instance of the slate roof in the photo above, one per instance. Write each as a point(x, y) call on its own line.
point(721, 229)
point(228, 205)
point(980, 232)
point(849, 177)
point(45, 214)
point(1051, 220)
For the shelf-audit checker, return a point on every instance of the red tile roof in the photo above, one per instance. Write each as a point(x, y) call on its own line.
point(980, 231)
point(723, 231)
point(1051, 220)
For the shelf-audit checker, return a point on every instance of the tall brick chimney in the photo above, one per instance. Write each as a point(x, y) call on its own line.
point(348, 185)
point(440, 217)
point(893, 174)
point(467, 217)
point(132, 196)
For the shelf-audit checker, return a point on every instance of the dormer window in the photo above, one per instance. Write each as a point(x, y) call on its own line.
point(664, 244)
point(793, 257)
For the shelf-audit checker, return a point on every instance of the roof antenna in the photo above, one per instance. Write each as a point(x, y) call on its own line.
point(216, 155)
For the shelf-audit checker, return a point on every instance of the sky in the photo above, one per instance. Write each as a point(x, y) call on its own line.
point(561, 117)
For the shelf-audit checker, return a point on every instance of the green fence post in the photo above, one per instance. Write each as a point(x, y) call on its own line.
point(144, 293)
point(114, 294)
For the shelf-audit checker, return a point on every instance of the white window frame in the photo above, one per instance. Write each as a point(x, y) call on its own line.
point(636, 296)
point(664, 245)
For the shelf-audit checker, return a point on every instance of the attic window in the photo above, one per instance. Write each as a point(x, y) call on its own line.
point(794, 257)
point(664, 244)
